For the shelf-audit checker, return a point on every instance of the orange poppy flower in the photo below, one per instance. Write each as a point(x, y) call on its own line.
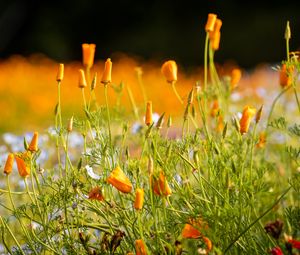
point(106, 77)
point(96, 194)
point(169, 70)
point(262, 140)
point(220, 125)
point(140, 247)
point(248, 114)
point(139, 199)
point(217, 28)
point(160, 185)
point(23, 163)
point(215, 42)
point(60, 73)
point(190, 232)
point(211, 19)
point(33, 146)
point(119, 180)
point(82, 81)
point(208, 243)
point(88, 54)
point(236, 75)
point(148, 117)
point(9, 164)
point(215, 109)
point(285, 76)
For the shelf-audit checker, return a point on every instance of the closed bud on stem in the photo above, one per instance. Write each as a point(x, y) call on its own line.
point(23, 168)
point(211, 19)
point(248, 114)
point(217, 29)
point(258, 114)
point(106, 77)
point(236, 75)
point(33, 146)
point(169, 70)
point(287, 33)
point(286, 76)
point(160, 121)
point(139, 199)
point(70, 125)
point(148, 116)
point(88, 54)
point(236, 123)
point(94, 82)
point(9, 164)
point(140, 247)
point(215, 42)
point(60, 73)
point(82, 81)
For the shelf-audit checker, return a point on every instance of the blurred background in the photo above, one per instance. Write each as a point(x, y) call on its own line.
point(252, 32)
point(37, 35)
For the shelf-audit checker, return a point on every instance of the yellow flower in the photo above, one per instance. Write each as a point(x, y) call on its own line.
point(88, 54)
point(248, 114)
point(139, 199)
point(33, 146)
point(9, 164)
point(119, 180)
point(169, 70)
point(106, 77)
point(148, 117)
point(60, 73)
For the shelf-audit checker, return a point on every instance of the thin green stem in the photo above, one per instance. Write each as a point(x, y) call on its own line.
point(176, 93)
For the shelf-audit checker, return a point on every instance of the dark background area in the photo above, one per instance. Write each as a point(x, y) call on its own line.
point(252, 32)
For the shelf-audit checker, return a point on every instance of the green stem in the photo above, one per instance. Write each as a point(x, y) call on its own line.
point(108, 122)
point(12, 235)
point(255, 221)
point(273, 105)
point(176, 93)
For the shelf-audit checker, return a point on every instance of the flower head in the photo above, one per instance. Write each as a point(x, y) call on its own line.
point(60, 73)
point(23, 163)
point(148, 116)
point(106, 77)
point(248, 114)
point(96, 194)
point(210, 24)
point(139, 199)
point(119, 180)
point(88, 54)
point(140, 247)
point(236, 75)
point(82, 81)
point(9, 164)
point(33, 146)
point(169, 70)
point(160, 185)
point(285, 76)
